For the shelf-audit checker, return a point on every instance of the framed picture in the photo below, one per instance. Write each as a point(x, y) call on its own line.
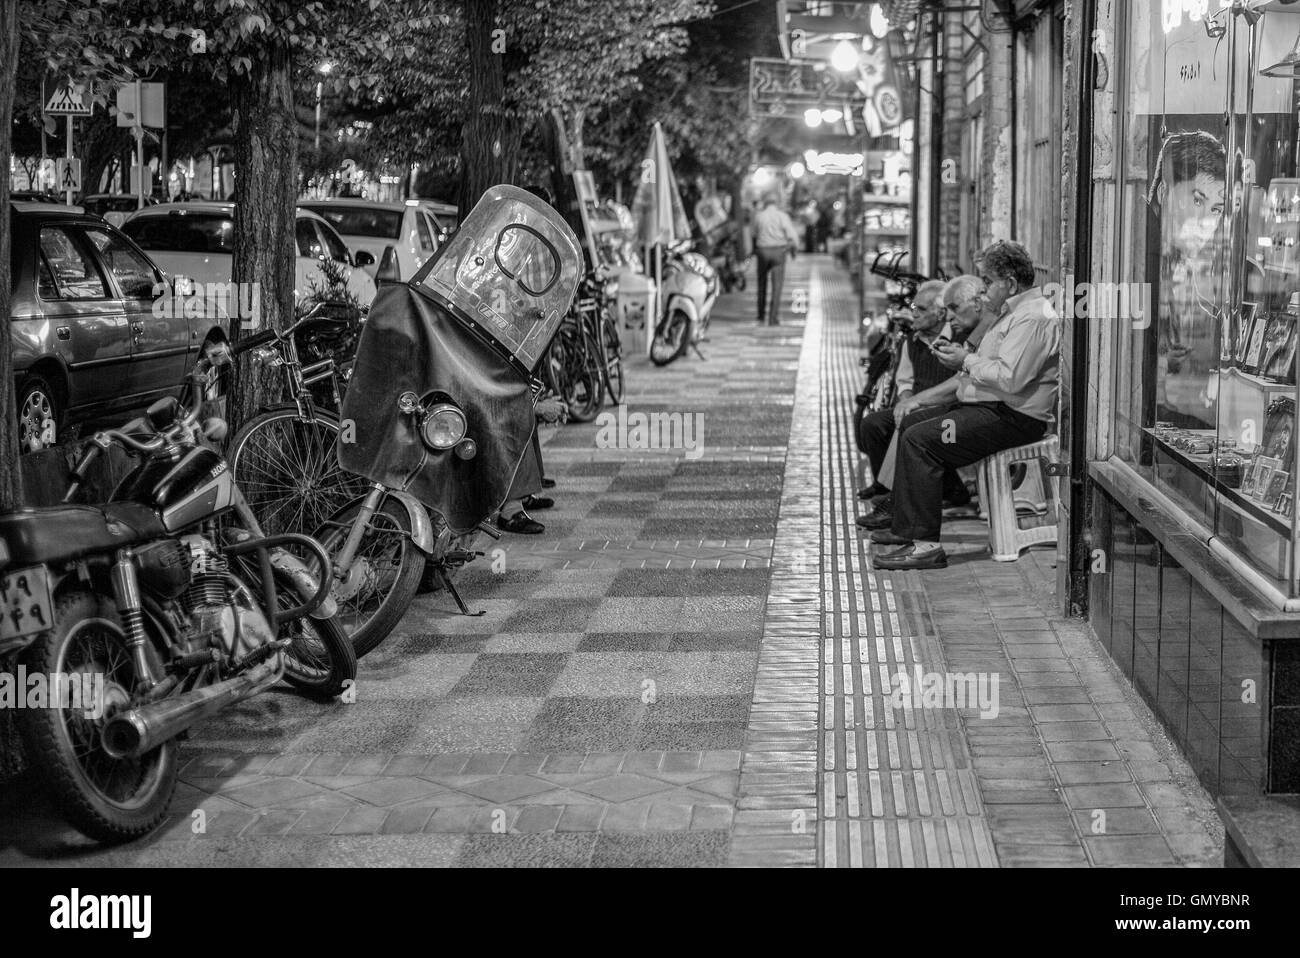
point(1263, 469)
point(1254, 342)
point(1278, 361)
point(1247, 487)
point(1285, 504)
point(1277, 484)
point(1278, 440)
point(1236, 332)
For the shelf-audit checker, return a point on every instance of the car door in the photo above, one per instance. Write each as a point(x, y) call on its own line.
point(160, 339)
point(89, 323)
point(307, 274)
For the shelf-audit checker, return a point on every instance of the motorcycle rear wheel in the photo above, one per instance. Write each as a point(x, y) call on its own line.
point(384, 577)
point(671, 338)
point(109, 800)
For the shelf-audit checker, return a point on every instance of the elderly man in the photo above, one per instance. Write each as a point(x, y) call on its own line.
point(918, 370)
point(1003, 396)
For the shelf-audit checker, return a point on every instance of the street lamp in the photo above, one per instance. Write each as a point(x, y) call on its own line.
point(324, 69)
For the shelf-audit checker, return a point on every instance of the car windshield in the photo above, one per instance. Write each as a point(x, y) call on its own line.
point(188, 233)
point(361, 220)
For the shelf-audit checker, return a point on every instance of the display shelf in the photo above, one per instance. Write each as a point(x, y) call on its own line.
point(1202, 467)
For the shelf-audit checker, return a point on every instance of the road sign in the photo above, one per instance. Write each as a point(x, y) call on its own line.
point(152, 111)
point(70, 100)
point(68, 174)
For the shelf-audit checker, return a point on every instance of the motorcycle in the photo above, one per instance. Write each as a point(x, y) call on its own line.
point(687, 292)
point(155, 611)
point(441, 401)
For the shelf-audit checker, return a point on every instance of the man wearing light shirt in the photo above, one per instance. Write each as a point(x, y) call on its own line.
point(1004, 395)
point(775, 238)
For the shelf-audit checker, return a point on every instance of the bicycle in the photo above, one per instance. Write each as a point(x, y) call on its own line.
point(380, 540)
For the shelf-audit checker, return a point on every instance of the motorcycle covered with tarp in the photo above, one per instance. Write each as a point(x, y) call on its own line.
point(441, 400)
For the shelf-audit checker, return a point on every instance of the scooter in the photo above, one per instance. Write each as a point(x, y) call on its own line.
point(687, 292)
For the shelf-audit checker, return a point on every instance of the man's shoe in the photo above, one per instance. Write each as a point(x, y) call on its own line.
point(877, 519)
point(908, 558)
point(885, 537)
point(872, 491)
point(548, 483)
point(522, 523)
point(538, 502)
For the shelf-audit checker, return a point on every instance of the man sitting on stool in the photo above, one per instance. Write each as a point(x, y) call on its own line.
point(1004, 396)
point(918, 370)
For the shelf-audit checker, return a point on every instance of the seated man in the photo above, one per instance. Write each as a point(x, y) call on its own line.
point(1003, 396)
point(918, 370)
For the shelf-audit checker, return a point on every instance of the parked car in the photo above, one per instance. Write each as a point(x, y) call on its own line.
point(34, 196)
point(114, 207)
point(409, 230)
point(86, 339)
point(195, 240)
point(445, 215)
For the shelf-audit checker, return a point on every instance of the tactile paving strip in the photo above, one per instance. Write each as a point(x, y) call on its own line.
point(897, 788)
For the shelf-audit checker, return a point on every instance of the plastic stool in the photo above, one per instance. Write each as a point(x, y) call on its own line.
point(1037, 495)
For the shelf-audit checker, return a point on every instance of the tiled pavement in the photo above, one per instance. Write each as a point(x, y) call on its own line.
point(688, 669)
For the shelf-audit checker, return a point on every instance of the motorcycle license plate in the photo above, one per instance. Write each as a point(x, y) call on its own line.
point(27, 607)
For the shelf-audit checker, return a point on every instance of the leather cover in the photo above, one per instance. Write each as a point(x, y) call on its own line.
point(63, 533)
point(412, 343)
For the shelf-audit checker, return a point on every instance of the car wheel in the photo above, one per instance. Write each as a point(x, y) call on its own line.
point(38, 415)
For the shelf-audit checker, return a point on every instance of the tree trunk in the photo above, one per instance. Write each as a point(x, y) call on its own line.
point(10, 491)
point(266, 184)
point(491, 136)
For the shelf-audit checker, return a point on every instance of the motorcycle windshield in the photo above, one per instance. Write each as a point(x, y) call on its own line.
point(411, 342)
point(509, 272)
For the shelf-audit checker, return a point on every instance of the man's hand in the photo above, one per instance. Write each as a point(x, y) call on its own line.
point(904, 408)
point(552, 409)
point(951, 355)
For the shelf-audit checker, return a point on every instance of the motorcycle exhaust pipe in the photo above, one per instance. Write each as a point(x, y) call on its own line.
point(138, 731)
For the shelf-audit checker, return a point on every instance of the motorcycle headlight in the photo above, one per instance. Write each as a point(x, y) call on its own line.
point(444, 426)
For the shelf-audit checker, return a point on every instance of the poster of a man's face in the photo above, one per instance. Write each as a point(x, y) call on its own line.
point(1188, 191)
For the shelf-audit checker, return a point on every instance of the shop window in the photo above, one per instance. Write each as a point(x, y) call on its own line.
point(1205, 291)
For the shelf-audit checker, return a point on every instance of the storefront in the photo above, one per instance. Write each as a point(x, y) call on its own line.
point(1189, 536)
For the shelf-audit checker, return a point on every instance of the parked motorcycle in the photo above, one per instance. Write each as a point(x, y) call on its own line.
point(687, 292)
point(440, 404)
point(167, 604)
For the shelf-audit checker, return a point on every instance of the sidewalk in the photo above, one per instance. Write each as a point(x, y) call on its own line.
point(688, 669)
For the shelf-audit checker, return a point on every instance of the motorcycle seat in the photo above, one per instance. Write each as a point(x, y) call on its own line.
point(63, 533)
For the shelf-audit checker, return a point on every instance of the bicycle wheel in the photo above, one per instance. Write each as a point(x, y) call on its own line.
point(383, 577)
point(584, 387)
point(288, 470)
point(611, 350)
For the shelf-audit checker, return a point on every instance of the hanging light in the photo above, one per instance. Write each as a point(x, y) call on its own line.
point(813, 117)
point(832, 116)
point(1288, 66)
point(797, 170)
point(844, 57)
point(879, 23)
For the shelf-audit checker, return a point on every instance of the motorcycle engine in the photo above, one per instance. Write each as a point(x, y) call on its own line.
point(222, 612)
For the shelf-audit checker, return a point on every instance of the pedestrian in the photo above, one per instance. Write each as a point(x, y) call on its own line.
point(775, 238)
point(1003, 396)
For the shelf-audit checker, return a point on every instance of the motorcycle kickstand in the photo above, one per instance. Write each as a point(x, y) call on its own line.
point(696, 346)
point(460, 603)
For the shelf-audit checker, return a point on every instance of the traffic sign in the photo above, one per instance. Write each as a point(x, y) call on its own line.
point(68, 173)
point(70, 100)
point(152, 109)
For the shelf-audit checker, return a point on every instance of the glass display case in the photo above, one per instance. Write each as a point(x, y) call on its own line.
point(1209, 300)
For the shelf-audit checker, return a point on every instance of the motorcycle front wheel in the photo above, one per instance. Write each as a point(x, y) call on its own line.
point(384, 575)
point(109, 800)
point(671, 338)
